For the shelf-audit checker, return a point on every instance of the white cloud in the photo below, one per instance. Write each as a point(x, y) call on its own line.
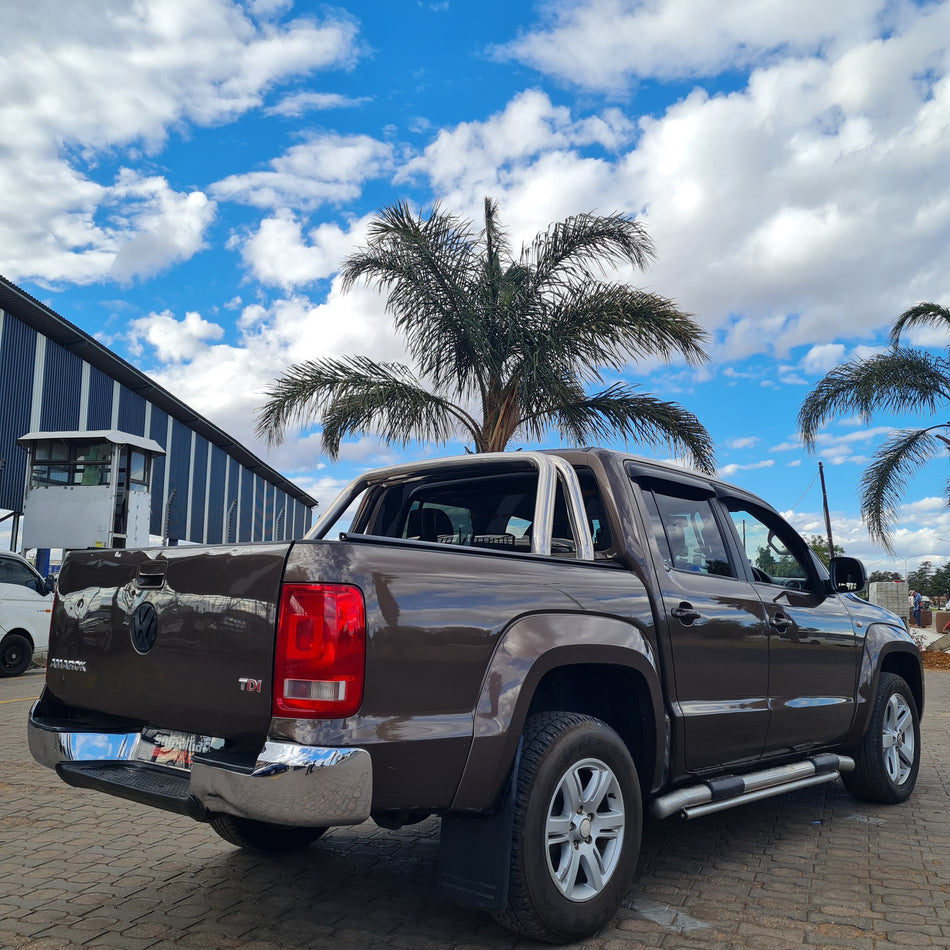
point(227, 382)
point(743, 442)
point(330, 168)
point(165, 227)
point(819, 359)
point(604, 44)
point(727, 471)
point(303, 102)
point(837, 448)
point(278, 254)
point(173, 340)
point(80, 85)
point(919, 538)
point(521, 150)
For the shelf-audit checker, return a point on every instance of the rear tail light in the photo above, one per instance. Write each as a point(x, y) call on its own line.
point(321, 649)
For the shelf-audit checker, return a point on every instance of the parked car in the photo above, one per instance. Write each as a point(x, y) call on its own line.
point(538, 647)
point(26, 603)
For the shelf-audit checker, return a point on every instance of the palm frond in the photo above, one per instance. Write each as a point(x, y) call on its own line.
point(885, 479)
point(921, 314)
point(497, 251)
point(431, 271)
point(575, 249)
point(612, 324)
point(635, 416)
point(901, 380)
point(353, 395)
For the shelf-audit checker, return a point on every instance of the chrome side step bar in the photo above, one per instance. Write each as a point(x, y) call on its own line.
point(727, 791)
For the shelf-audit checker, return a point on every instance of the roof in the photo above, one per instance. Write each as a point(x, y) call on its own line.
point(103, 435)
point(41, 318)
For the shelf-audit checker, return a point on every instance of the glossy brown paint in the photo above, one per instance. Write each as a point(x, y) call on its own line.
point(216, 612)
point(720, 664)
point(529, 650)
point(814, 665)
point(427, 679)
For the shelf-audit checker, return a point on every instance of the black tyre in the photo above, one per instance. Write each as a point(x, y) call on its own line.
point(264, 837)
point(15, 654)
point(888, 759)
point(577, 827)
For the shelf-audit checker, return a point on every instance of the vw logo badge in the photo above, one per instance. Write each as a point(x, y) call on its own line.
point(144, 628)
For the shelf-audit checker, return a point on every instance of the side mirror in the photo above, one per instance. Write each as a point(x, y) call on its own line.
point(847, 575)
point(49, 586)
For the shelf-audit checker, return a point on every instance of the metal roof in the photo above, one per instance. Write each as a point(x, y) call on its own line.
point(41, 318)
point(102, 435)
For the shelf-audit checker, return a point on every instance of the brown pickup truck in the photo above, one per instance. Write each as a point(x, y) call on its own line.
point(536, 646)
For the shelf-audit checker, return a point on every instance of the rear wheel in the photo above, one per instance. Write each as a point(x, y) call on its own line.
point(577, 827)
point(15, 654)
point(262, 836)
point(888, 759)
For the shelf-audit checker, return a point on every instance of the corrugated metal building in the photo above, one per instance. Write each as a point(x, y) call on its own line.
point(207, 488)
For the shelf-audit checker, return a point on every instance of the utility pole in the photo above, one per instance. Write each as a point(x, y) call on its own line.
point(824, 503)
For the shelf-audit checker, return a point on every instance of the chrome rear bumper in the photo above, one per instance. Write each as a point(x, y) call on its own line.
point(288, 784)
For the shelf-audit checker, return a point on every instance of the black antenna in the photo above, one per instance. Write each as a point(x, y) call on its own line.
point(824, 504)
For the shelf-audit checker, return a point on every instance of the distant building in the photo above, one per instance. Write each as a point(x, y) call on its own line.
point(101, 432)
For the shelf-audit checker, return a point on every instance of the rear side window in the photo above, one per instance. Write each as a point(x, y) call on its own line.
point(493, 511)
point(687, 533)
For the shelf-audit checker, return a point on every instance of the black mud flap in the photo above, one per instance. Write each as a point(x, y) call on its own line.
point(475, 852)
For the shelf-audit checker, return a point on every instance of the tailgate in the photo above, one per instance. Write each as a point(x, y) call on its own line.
point(177, 638)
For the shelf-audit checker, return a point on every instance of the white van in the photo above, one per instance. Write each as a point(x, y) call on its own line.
point(26, 604)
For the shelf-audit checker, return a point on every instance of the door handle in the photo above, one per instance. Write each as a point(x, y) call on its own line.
point(685, 614)
point(781, 621)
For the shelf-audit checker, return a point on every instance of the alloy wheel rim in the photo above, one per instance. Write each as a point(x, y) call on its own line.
point(584, 829)
point(899, 739)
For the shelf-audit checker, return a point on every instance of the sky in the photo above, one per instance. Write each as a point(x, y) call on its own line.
point(182, 180)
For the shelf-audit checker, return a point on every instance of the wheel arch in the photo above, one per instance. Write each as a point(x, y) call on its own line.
point(887, 649)
point(23, 633)
point(600, 666)
point(907, 666)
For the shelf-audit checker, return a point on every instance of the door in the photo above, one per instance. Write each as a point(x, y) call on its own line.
point(813, 650)
point(715, 621)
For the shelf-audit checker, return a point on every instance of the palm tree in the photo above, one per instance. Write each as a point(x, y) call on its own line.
point(904, 380)
point(500, 345)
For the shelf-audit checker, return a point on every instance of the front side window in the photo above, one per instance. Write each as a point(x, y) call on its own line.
point(772, 549)
point(13, 572)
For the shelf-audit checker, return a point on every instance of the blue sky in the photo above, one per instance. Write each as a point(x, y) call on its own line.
point(183, 180)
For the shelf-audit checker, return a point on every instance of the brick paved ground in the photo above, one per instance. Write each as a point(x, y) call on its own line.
point(812, 869)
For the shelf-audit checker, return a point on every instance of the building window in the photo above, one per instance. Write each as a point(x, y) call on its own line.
point(81, 462)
